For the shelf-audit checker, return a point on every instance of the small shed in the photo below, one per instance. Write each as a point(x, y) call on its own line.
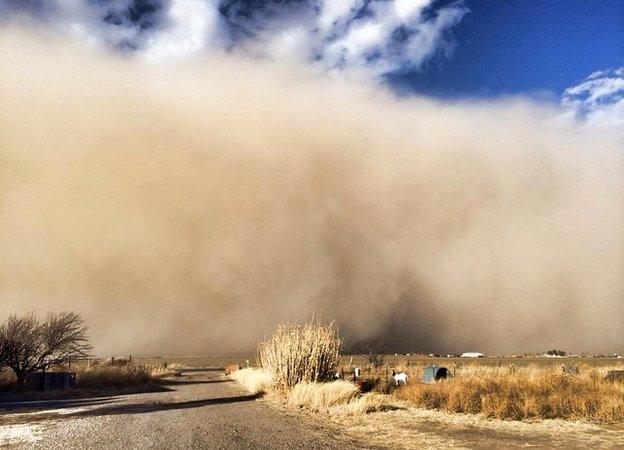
point(433, 373)
point(47, 381)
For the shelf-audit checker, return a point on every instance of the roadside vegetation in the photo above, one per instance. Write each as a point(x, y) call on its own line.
point(298, 367)
point(299, 363)
point(307, 353)
point(29, 344)
point(533, 393)
point(59, 343)
point(104, 375)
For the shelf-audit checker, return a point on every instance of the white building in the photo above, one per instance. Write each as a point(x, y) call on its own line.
point(472, 355)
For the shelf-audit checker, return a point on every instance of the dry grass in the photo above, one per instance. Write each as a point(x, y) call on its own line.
point(7, 380)
point(254, 380)
point(320, 396)
point(301, 354)
point(295, 363)
point(338, 398)
point(103, 375)
point(157, 372)
point(527, 394)
point(106, 376)
point(367, 403)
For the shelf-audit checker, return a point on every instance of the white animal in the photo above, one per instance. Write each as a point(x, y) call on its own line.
point(398, 377)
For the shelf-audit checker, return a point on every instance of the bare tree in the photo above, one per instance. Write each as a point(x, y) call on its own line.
point(28, 344)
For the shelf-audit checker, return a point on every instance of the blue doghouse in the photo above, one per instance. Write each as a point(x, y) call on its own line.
point(433, 373)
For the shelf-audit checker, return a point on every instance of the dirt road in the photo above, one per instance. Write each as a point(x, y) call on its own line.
point(197, 410)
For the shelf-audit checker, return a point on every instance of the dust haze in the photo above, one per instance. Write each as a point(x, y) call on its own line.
point(188, 208)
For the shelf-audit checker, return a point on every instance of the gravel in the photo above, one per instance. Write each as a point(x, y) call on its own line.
point(197, 410)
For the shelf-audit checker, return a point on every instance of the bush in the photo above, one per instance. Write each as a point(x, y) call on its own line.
point(301, 354)
point(375, 359)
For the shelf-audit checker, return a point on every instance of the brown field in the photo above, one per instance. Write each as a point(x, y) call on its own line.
point(411, 363)
point(491, 402)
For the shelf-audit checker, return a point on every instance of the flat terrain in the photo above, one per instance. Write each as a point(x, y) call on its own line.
point(197, 410)
point(409, 361)
point(201, 409)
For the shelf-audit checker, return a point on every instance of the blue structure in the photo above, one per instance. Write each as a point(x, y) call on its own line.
point(47, 381)
point(434, 373)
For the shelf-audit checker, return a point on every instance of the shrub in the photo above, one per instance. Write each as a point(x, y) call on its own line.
point(375, 359)
point(301, 353)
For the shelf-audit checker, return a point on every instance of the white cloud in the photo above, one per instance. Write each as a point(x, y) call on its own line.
point(336, 13)
point(191, 25)
point(367, 37)
point(371, 37)
point(599, 99)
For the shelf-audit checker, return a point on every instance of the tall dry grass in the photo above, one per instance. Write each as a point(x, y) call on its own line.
point(528, 394)
point(298, 363)
point(301, 354)
point(101, 376)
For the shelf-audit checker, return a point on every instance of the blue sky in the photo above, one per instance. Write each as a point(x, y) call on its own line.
point(442, 48)
point(524, 46)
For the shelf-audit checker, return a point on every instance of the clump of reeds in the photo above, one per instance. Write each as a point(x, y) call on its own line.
point(301, 353)
point(299, 363)
point(528, 395)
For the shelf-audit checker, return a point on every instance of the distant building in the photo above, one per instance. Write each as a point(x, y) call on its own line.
point(472, 355)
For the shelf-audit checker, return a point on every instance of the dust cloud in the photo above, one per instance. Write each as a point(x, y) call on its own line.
point(188, 208)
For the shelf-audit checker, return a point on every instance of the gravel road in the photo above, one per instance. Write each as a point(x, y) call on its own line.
point(197, 410)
